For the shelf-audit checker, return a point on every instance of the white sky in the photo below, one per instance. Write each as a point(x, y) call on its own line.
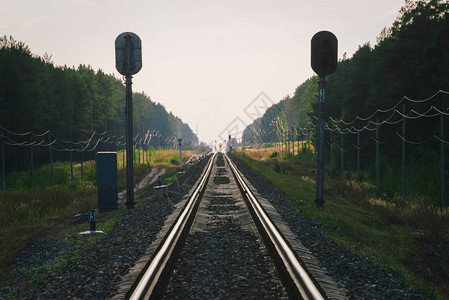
point(205, 61)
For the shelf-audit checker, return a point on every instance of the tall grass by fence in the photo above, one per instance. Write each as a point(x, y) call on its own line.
point(44, 149)
point(355, 147)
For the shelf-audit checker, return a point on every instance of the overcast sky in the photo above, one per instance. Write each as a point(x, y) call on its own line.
point(205, 61)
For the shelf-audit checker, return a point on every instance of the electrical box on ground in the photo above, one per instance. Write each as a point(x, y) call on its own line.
point(106, 165)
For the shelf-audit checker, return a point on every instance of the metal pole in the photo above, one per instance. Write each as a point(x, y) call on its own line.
point(71, 166)
point(302, 144)
point(342, 156)
point(281, 142)
point(293, 140)
point(308, 140)
point(32, 163)
point(319, 202)
point(129, 146)
point(377, 156)
point(180, 155)
point(129, 128)
point(403, 150)
point(358, 154)
point(332, 155)
point(51, 160)
point(443, 159)
point(123, 157)
point(82, 170)
point(3, 163)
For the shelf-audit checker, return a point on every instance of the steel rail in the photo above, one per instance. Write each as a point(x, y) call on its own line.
point(149, 280)
point(305, 285)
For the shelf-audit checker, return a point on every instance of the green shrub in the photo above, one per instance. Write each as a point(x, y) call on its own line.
point(278, 169)
point(91, 175)
point(289, 156)
point(174, 160)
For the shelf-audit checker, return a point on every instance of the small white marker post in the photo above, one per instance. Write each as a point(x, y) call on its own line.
point(160, 185)
point(92, 220)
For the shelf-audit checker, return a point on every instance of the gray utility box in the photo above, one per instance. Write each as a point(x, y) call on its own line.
point(106, 163)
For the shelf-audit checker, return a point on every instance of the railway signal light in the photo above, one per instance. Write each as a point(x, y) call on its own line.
point(128, 61)
point(324, 62)
point(128, 53)
point(324, 53)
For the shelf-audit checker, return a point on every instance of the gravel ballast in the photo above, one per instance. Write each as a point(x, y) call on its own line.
point(360, 278)
point(224, 256)
point(98, 270)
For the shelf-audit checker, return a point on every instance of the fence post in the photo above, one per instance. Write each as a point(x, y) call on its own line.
point(71, 166)
point(443, 158)
point(282, 143)
point(403, 150)
point(123, 157)
point(3, 163)
point(377, 156)
point(82, 170)
point(358, 154)
point(330, 148)
point(32, 162)
point(308, 141)
point(342, 156)
point(302, 144)
point(51, 159)
point(293, 144)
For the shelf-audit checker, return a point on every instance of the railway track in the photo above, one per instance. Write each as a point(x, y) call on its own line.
point(224, 245)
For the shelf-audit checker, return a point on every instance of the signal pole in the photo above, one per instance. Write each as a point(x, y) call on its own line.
point(320, 145)
point(324, 62)
point(128, 61)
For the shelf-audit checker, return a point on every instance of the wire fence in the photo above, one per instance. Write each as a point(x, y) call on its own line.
point(394, 123)
point(409, 122)
point(13, 144)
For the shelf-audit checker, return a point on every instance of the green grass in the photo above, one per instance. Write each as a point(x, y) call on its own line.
point(384, 231)
point(42, 176)
point(30, 213)
point(165, 156)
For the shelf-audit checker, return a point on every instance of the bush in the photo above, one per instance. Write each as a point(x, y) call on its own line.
point(274, 154)
point(289, 156)
point(278, 169)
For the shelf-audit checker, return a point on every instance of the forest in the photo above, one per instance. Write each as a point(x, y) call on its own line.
point(400, 85)
point(71, 104)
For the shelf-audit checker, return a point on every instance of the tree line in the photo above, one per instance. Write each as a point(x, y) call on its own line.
point(409, 59)
point(72, 103)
